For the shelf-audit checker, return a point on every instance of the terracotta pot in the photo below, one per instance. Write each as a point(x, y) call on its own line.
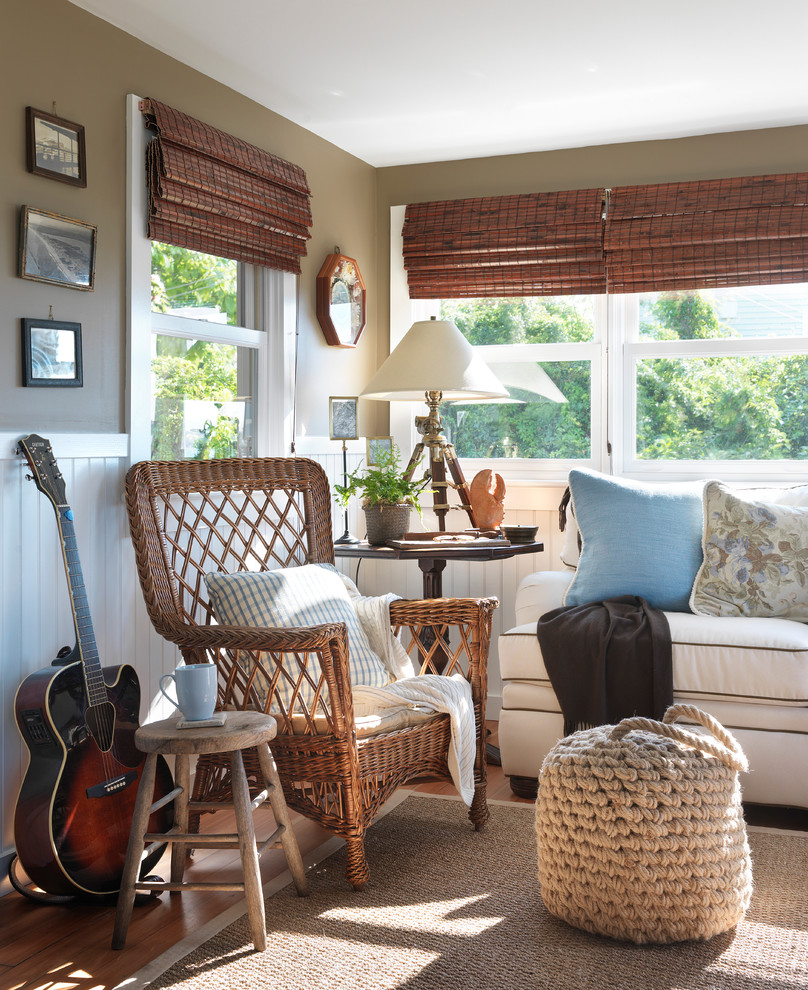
point(386, 522)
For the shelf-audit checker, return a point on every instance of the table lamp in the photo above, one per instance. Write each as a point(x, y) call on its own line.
point(435, 362)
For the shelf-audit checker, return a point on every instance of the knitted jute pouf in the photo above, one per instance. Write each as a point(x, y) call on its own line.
point(640, 830)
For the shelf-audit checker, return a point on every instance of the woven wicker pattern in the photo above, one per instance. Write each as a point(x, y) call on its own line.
point(188, 518)
point(640, 830)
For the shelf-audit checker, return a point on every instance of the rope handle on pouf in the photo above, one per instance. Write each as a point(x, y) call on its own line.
point(725, 747)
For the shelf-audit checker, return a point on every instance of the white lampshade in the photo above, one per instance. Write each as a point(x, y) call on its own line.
point(434, 356)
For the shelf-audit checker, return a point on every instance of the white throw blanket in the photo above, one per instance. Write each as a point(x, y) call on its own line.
point(441, 694)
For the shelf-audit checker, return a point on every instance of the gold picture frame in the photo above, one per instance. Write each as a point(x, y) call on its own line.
point(376, 446)
point(57, 249)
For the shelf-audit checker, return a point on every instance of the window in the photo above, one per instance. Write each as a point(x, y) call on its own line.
point(547, 353)
point(211, 369)
point(718, 376)
point(204, 362)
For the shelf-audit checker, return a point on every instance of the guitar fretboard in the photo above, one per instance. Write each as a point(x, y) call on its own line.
point(85, 636)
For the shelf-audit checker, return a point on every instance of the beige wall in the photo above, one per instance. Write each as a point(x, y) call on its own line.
point(53, 51)
point(783, 149)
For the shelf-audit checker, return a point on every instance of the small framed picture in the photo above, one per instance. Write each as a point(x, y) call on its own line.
point(378, 448)
point(55, 147)
point(51, 353)
point(342, 417)
point(56, 249)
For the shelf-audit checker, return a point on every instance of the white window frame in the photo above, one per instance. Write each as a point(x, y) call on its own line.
point(269, 302)
point(614, 354)
point(630, 350)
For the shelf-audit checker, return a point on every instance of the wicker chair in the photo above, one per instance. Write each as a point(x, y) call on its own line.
point(188, 518)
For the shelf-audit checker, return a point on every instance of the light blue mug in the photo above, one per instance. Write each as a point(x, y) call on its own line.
point(195, 684)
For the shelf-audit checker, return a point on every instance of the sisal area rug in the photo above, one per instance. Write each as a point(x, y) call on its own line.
point(449, 908)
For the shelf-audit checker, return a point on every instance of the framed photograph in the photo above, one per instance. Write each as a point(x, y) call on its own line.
point(55, 147)
point(56, 249)
point(51, 353)
point(378, 447)
point(342, 417)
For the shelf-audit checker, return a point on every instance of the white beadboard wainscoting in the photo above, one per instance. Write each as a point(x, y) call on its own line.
point(36, 619)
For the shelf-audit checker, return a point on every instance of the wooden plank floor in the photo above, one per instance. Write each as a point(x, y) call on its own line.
point(67, 947)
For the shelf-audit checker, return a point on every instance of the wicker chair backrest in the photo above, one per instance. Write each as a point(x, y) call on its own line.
point(188, 518)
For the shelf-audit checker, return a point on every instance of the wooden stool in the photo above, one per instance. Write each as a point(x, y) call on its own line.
point(242, 730)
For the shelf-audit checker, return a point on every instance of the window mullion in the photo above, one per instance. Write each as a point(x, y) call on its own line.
point(215, 333)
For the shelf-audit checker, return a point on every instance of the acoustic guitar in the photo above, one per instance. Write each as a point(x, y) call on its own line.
point(78, 720)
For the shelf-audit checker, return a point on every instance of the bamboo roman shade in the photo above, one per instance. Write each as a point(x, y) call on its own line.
point(538, 244)
point(698, 235)
point(682, 235)
point(212, 192)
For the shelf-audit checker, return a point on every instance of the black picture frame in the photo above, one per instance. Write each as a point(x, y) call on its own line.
point(56, 249)
point(342, 417)
point(55, 147)
point(51, 354)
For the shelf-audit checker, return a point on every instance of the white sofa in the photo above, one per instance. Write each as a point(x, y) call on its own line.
point(750, 673)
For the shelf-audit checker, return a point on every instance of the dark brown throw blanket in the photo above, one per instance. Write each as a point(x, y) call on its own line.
point(607, 661)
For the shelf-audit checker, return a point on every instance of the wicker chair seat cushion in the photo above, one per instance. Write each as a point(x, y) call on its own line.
point(296, 597)
point(371, 724)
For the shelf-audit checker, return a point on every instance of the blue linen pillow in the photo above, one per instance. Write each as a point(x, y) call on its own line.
point(296, 597)
point(637, 539)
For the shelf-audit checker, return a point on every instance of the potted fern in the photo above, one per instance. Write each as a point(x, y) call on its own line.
point(387, 497)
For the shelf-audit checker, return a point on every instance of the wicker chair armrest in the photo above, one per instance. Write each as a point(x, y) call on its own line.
point(278, 638)
point(238, 651)
point(441, 611)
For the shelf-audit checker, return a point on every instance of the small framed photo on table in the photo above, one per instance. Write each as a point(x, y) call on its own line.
point(378, 449)
point(342, 417)
point(51, 353)
point(55, 147)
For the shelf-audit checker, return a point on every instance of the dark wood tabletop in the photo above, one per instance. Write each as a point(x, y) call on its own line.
point(432, 558)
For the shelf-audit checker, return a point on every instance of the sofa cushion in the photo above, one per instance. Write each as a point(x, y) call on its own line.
point(755, 557)
point(538, 593)
point(638, 539)
point(750, 660)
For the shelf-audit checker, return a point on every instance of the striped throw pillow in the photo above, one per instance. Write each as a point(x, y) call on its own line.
point(296, 597)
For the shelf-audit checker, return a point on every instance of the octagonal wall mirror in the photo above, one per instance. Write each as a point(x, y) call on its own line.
point(341, 301)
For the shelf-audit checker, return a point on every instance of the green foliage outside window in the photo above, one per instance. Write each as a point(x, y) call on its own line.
point(539, 427)
point(183, 279)
point(188, 370)
point(716, 408)
point(202, 371)
point(727, 407)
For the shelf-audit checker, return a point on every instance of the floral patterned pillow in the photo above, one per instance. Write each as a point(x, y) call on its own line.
point(755, 557)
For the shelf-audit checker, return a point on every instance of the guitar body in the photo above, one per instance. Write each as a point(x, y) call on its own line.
point(74, 812)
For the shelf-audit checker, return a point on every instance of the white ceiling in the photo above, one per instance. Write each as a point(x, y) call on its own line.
point(428, 80)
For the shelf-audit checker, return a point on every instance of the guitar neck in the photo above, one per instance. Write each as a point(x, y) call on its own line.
point(85, 636)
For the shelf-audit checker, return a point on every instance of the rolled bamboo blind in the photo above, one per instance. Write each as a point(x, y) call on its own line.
point(536, 244)
point(212, 192)
point(683, 235)
point(751, 230)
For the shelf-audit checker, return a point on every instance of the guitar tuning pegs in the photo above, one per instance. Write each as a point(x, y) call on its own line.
point(29, 477)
